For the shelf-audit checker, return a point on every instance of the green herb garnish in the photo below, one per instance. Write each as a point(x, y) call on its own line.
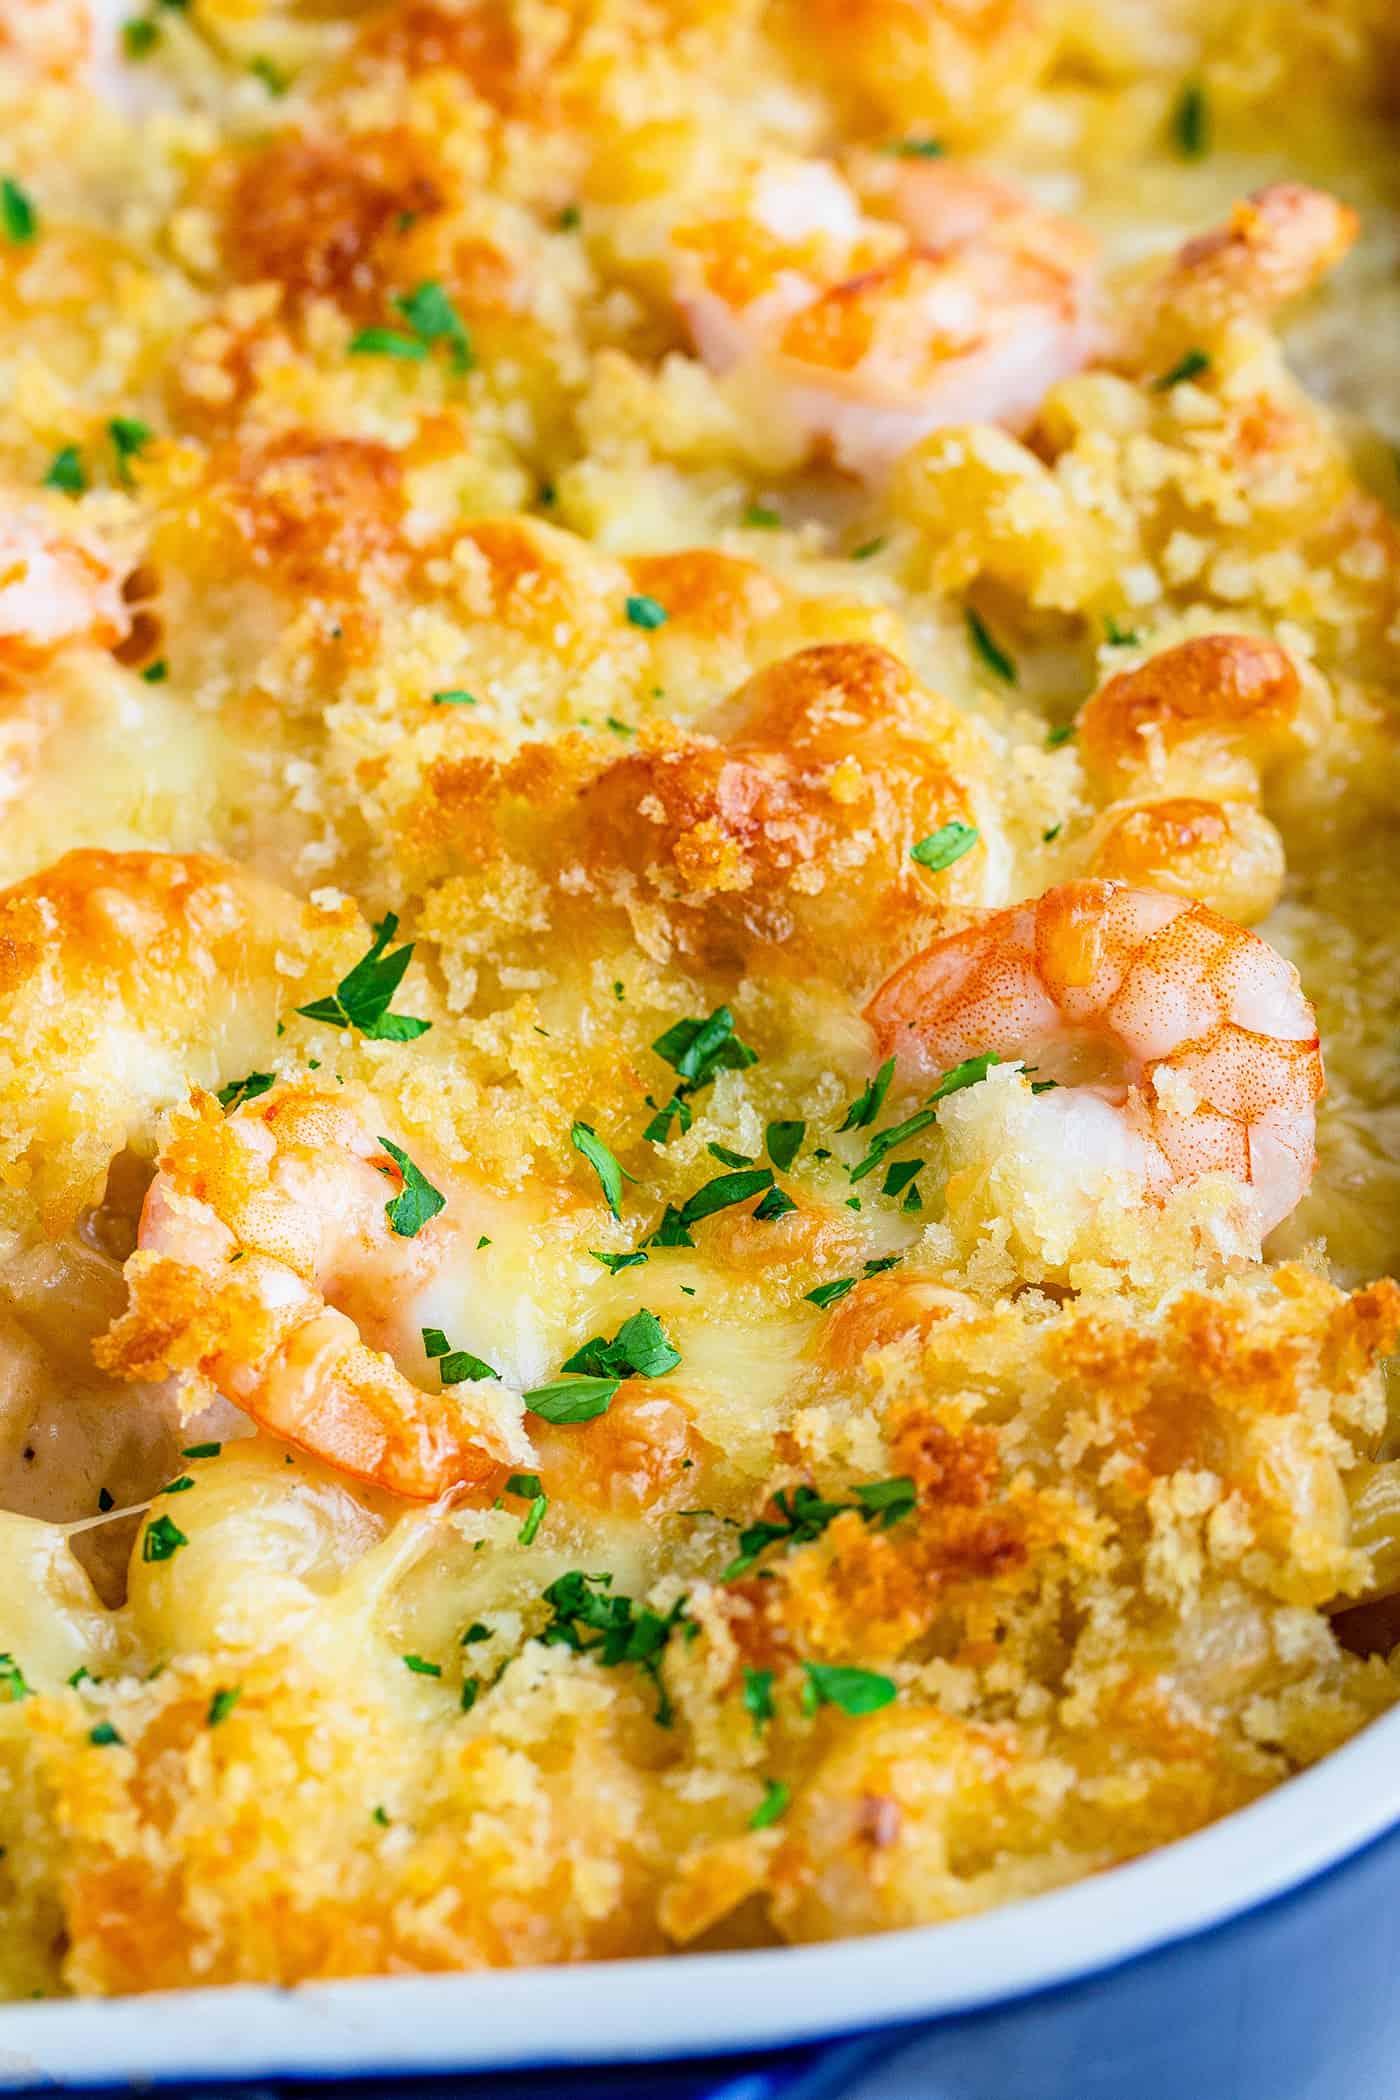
point(162, 1539)
point(1190, 122)
point(222, 1704)
point(364, 995)
point(784, 1141)
point(455, 1366)
point(942, 847)
point(66, 472)
point(247, 1089)
point(854, 1691)
point(776, 1796)
point(991, 653)
point(17, 213)
point(591, 1621)
point(1190, 366)
point(610, 1172)
point(645, 612)
point(417, 1200)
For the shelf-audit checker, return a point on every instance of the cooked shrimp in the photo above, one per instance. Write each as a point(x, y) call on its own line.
point(792, 824)
point(267, 1264)
point(858, 336)
point(1275, 246)
point(1184, 1044)
point(1228, 705)
point(1226, 854)
point(53, 590)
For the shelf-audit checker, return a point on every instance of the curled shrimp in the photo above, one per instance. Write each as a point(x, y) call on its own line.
point(860, 335)
point(53, 590)
point(268, 1266)
point(1181, 1045)
point(1276, 245)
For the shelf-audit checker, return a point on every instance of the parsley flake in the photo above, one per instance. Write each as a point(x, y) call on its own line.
point(645, 612)
point(1059, 736)
point(854, 1691)
point(567, 1400)
point(162, 1539)
point(140, 36)
point(609, 1170)
point(129, 440)
point(760, 518)
point(17, 213)
point(103, 1734)
point(990, 651)
point(727, 1158)
point(434, 319)
point(776, 1796)
point(696, 1050)
point(825, 1294)
point(869, 548)
point(942, 847)
point(776, 1204)
point(803, 1515)
point(527, 1486)
point(1190, 122)
point(12, 1681)
point(454, 696)
point(201, 1450)
point(916, 149)
point(758, 1697)
point(1119, 637)
point(271, 75)
point(247, 1089)
point(178, 1487)
point(639, 1349)
point(387, 342)
point(1190, 366)
point(783, 1141)
point(364, 995)
point(421, 1667)
point(455, 1366)
point(633, 1259)
point(971, 1072)
point(591, 1621)
point(870, 1100)
point(66, 472)
point(417, 1200)
point(222, 1704)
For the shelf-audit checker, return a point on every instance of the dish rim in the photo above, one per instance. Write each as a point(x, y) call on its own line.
point(600, 2012)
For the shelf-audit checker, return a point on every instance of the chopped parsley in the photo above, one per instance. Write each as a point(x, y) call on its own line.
point(569, 219)
point(639, 1349)
point(471, 1686)
point(12, 1681)
point(783, 1141)
point(776, 1796)
point(162, 1540)
point(527, 1486)
point(696, 1050)
point(201, 1450)
point(758, 1697)
point(387, 342)
point(271, 75)
point(1059, 736)
point(417, 1200)
point(567, 1400)
point(803, 1515)
point(66, 472)
point(760, 518)
point(825, 1294)
point(178, 1487)
point(645, 612)
point(854, 1691)
point(129, 440)
point(454, 696)
point(899, 1175)
point(727, 1158)
point(916, 149)
point(455, 1366)
point(720, 1193)
point(776, 1204)
point(17, 213)
point(364, 995)
point(633, 1259)
point(588, 1618)
point(434, 319)
point(222, 1704)
point(422, 1668)
point(971, 1072)
point(1190, 122)
point(1119, 637)
point(247, 1089)
point(621, 728)
point(104, 1500)
point(990, 651)
point(868, 548)
point(140, 36)
point(610, 1172)
point(1189, 366)
point(156, 673)
point(477, 1631)
point(1048, 838)
point(885, 1141)
point(103, 1734)
point(380, 1815)
point(870, 1100)
point(942, 847)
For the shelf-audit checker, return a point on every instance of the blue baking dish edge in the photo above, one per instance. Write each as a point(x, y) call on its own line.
point(1259, 1976)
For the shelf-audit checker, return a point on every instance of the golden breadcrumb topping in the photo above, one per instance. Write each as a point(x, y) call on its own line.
point(698, 1012)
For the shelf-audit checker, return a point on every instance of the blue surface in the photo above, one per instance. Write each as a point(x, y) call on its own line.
point(1297, 2000)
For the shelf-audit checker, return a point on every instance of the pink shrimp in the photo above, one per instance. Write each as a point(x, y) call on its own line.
point(53, 590)
point(268, 1266)
point(861, 335)
point(1181, 1044)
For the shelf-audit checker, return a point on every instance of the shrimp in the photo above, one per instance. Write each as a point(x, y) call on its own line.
point(53, 590)
point(1184, 1044)
point(858, 336)
point(259, 1232)
point(1212, 714)
point(1276, 245)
